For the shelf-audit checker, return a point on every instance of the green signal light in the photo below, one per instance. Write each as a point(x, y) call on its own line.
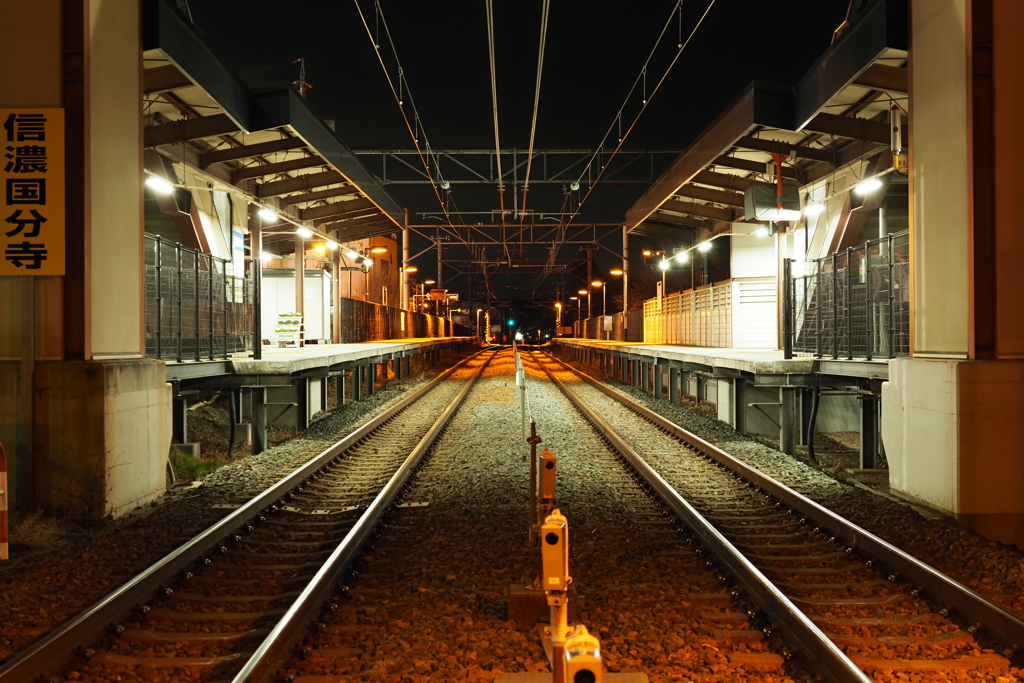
point(511, 323)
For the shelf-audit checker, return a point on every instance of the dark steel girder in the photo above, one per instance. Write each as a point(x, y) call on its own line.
point(849, 127)
point(725, 180)
point(351, 215)
point(164, 79)
point(710, 195)
point(344, 191)
point(299, 183)
point(785, 148)
point(669, 232)
point(260, 170)
point(693, 208)
point(891, 79)
point(189, 129)
point(753, 166)
point(335, 209)
point(233, 153)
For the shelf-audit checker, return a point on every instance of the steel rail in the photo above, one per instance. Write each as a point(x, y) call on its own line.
point(276, 647)
point(797, 628)
point(937, 588)
point(55, 649)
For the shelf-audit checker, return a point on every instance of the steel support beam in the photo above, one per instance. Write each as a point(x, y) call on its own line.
point(258, 418)
point(164, 79)
point(317, 195)
point(869, 432)
point(246, 151)
point(849, 127)
point(892, 79)
point(299, 183)
point(188, 129)
point(780, 147)
point(336, 209)
point(710, 195)
point(789, 419)
point(260, 170)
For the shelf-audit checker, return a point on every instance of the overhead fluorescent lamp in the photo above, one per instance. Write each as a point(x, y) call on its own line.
point(351, 254)
point(267, 256)
point(304, 233)
point(761, 232)
point(332, 245)
point(814, 209)
point(867, 186)
point(367, 261)
point(158, 184)
point(705, 246)
point(267, 215)
point(683, 256)
point(615, 271)
point(663, 265)
point(379, 250)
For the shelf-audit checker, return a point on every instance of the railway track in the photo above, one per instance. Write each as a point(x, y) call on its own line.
point(859, 608)
point(229, 604)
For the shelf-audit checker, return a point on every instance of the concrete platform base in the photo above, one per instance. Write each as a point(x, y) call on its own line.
point(190, 450)
point(546, 678)
point(527, 606)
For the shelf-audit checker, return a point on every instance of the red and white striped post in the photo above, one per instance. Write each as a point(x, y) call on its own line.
point(3, 503)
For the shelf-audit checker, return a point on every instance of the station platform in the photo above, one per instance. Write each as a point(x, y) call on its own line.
point(757, 391)
point(287, 386)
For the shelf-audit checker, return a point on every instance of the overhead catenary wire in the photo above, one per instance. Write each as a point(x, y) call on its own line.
point(536, 99)
point(494, 105)
point(646, 102)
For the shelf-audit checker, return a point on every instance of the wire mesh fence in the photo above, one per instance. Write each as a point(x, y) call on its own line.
point(198, 306)
point(628, 326)
point(365, 321)
point(700, 317)
point(851, 304)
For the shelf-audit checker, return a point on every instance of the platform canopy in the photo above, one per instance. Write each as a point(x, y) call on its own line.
point(835, 116)
point(265, 144)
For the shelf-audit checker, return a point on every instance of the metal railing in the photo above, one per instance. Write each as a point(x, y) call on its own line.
point(851, 304)
point(628, 326)
point(198, 306)
point(364, 321)
point(698, 317)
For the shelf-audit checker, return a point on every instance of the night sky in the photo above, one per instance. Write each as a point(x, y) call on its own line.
point(594, 51)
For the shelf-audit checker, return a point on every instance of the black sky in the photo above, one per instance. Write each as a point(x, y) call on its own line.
point(594, 52)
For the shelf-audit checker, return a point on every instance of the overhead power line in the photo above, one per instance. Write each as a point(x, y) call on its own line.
point(536, 96)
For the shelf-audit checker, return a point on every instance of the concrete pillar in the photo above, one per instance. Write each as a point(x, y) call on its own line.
point(371, 378)
point(258, 418)
point(357, 383)
point(397, 362)
point(179, 430)
point(323, 393)
point(868, 433)
point(659, 380)
point(789, 419)
point(408, 365)
point(673, 386)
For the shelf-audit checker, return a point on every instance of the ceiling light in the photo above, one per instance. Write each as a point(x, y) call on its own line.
point(616, 271)
point(304, 233)
point(761, 232)
point(267, 215)
point(331, 244)
point(351, 254)
point(367, 261)
point(379, 250)
point(430, 282)
point(267, 256)
point(319, 248)
point(683, 256)
point(704, 246)
point(663, 264)
point(647, 252)
point(160, 185)
point(814, 209)
point(867, 185)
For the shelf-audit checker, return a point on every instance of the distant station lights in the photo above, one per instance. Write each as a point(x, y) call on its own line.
point(663, 264)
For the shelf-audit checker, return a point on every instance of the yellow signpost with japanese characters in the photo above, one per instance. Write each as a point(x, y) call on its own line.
point(32, 191)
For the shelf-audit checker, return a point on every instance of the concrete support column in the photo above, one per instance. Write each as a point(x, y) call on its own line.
point(258, 418)
point(397, 362)
point(868, 433)
point(673, 386)
point(659, 381)
point(179, 428)
point(339, 389)
point(789, 419)
point(371, 378)
point(408, 365)
point(323, 393)
point(357, 383)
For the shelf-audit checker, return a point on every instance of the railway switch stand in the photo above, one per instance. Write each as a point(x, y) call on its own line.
point(548, 468)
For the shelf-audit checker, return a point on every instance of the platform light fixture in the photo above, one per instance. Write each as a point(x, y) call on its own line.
point(704, 247)
point(319, 248)
point(683, 256)
point(583, 292)
point(615, 271)
point(331, 244)
point(158, 184)
point(867, 186)
point(267, 215)
point(762, 232)
point(411, 269)
point(813, 209)
point(430, 282)
point(663, 264)
point(304, 233)
point(574, 298)
point(267, 256)
point(379, 250)
point(597, 283)
point(647, 252)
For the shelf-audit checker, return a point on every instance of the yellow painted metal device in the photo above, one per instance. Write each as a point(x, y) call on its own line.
point(554, 553)
point(583, 657)
point(548, 468)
